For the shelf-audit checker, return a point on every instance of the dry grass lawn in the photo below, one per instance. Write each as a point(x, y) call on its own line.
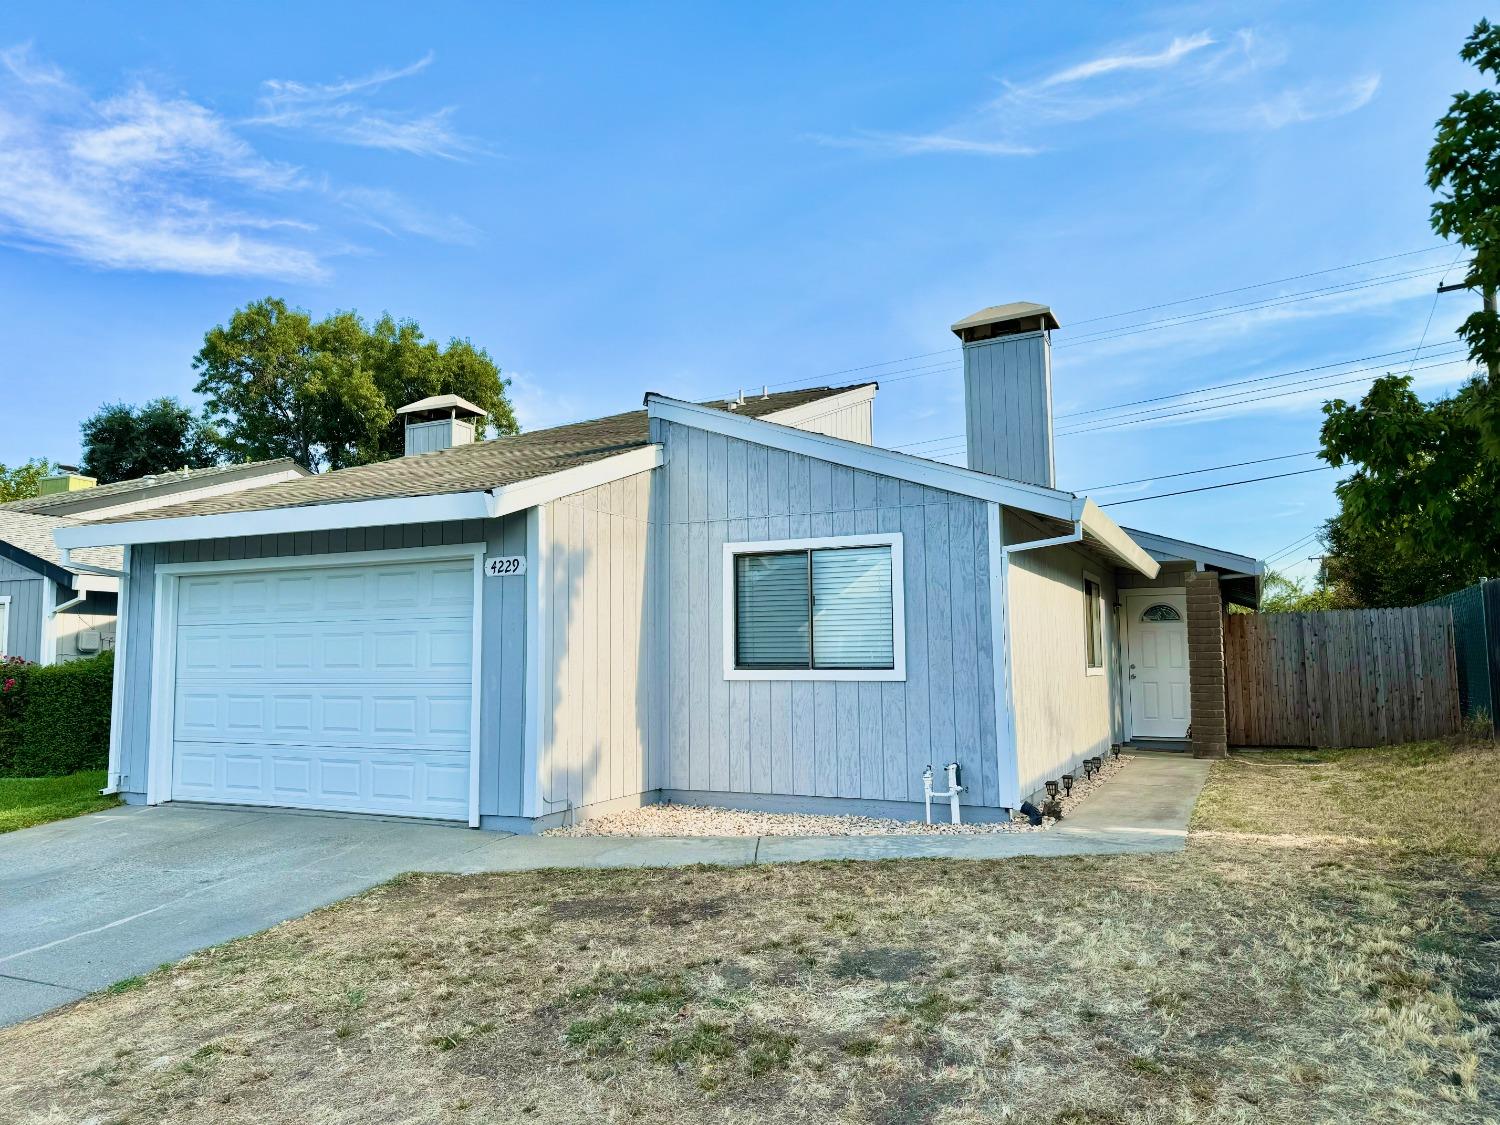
point(1318, 954)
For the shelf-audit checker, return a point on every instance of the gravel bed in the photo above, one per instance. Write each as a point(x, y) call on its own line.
point(707, 820)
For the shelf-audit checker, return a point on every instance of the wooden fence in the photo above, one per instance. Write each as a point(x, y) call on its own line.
point(1365, 677)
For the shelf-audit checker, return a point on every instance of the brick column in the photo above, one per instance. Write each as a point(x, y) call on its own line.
point(1205, 623)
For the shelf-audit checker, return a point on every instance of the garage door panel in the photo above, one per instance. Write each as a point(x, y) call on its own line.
point(328, 687)
point(422, 783)
point(326, 592)
point(367, 714)
point(443, 648)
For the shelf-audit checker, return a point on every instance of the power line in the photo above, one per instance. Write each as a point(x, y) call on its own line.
point(1292, 547)
point(1260, 285)
point(1234, 383)
point(1212, 487)
point(1195, 391)
point(1436, 293)
point(1112, 425)
point(1090, 320)
point(1193, 472)
point(1250, 306)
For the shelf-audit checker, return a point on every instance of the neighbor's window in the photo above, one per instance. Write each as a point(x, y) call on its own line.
point(815, 609)
point(1093, 600)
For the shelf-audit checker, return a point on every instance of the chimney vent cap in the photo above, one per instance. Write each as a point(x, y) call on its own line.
point(442, 402)
point(985, 323)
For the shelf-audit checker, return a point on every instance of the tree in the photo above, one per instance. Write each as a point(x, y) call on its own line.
point(24, 481)
point(1361, 570)
point(277, 383)
point(1426, 474)
point(1281, 593)
point(122, 442)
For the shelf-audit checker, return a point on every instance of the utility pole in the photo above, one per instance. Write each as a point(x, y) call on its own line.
point(1489, 307)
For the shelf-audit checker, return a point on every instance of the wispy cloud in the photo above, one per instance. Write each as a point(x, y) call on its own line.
point(1173, 53)
point(1196, 79)
point(1312, 103)
point(341, 112)
point(144, 180)
point(392, 213)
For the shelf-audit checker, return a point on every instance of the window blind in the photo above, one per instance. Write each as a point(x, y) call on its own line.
point(772, 620)
point(852, 608)
point(825, 608)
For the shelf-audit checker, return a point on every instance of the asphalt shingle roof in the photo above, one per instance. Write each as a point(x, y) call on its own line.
point(33, 534)
point(465, 468)
point(60, 503)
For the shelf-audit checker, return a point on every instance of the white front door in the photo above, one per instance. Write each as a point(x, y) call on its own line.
point(1157, 675)
point(326, 687)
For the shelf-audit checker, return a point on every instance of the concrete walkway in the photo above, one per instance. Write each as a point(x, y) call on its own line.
point(93, 900)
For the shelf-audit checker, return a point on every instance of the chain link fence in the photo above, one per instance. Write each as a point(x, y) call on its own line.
point(1476, 637)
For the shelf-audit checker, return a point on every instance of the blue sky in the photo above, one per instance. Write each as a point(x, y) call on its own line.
point(692, 199)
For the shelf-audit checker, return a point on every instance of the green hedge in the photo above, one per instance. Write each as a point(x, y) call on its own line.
point(54, 720)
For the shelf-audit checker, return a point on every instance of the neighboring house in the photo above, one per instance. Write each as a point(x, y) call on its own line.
point(55, 609)
point(741, 603)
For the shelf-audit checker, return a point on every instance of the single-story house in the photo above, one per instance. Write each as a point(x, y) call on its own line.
point(52, 611)
point(742, 603)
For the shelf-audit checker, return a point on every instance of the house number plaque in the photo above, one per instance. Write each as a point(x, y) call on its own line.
point(503, 566)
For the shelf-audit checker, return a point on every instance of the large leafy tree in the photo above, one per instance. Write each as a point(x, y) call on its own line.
point(1426, 475)
point(24, 480)
point(277, 383)
point(122, 442)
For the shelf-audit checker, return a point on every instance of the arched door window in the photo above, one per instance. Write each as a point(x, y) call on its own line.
point(1160, 613)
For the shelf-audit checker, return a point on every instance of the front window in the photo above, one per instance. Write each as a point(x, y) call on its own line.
point(814, 609)
point(1093, 608)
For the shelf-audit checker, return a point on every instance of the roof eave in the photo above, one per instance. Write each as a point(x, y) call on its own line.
point(433, 508)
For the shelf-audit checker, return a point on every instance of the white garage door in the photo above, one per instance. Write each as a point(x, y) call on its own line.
point(329, 687)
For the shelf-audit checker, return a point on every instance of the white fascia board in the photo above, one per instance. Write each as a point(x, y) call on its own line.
point(365, 513)
point(541, 490)
point(869, 458)
point(821, 406)
point(188, 495)
point(1166, 548)
point(276, 521)
point(1113, 537)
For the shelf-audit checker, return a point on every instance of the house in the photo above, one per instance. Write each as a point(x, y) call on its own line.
point(51, 610)
point(742, 603)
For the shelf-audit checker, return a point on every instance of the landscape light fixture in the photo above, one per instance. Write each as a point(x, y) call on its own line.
point(1052, 789)
point(1067, 780)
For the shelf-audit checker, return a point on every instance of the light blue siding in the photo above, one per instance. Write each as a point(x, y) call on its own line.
point(502, 687)
point(24, 588)
point(1008, 407)
point(781, 738)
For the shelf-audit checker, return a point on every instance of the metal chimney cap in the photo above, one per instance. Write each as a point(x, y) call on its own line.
point(985, 322)
point(442, 402)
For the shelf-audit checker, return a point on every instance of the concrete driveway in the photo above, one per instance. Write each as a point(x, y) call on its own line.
point(96, 899)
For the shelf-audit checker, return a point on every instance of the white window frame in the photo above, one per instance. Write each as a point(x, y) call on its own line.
point(5, 627)
point(1091, 669)
point(892, 539)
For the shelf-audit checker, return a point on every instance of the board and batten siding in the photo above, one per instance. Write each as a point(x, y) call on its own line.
point(1008, 407)
point(1063, 714)
point(596, 682)
point(853, 422)
point(24, 588)
point(502, 685)
point(817, 739)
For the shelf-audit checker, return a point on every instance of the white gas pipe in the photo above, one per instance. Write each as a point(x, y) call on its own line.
point(952, 792)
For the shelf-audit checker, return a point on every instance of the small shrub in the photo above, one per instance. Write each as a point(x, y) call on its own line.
point(54, 719)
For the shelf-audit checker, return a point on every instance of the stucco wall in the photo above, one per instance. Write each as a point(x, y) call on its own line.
point(1063, 713)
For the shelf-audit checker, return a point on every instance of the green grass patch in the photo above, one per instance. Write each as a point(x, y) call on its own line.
point(29, 801)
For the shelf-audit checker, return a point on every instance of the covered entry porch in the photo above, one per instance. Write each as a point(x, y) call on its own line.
point(1169, 644)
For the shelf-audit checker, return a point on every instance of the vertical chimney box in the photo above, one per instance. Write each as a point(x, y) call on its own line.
point(1008, 391)
point(439, 422)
